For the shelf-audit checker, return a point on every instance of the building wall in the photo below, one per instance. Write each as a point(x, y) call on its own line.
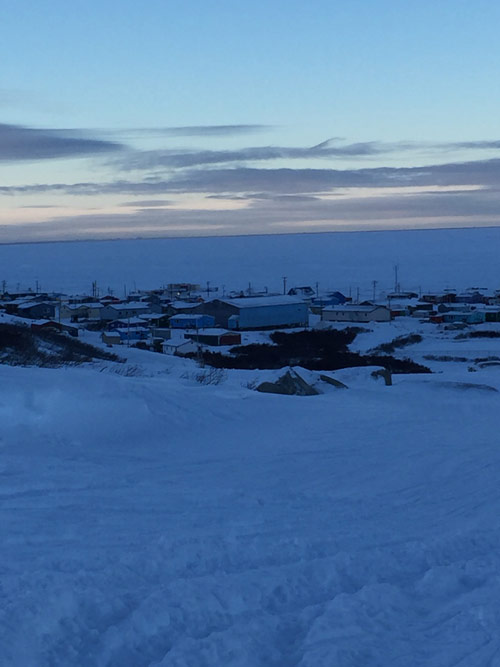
point(219, 310)
point(376, 315)
point(192, 322)
point(118, 313)
point(260, 317)
point(38, 311)
point(256, 317)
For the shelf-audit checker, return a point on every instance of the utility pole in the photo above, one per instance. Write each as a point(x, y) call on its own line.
point(396, 283)
point(208, 288)
point(374, 283)
point(284, 284)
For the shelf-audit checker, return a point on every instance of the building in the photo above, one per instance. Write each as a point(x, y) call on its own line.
point(43, 310)
point(52, 325)
point(117, 336)
point(130, 323)
point(122, 311)
point(179, 348)
point(257, 312)
point(464, 316)
point(215, 337)
point(81, 311)
point(191, 321)
point(356, 314)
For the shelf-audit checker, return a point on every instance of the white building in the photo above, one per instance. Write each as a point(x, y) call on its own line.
point(356, 314)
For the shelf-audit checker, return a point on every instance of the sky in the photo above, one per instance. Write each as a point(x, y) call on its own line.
point(199, 118)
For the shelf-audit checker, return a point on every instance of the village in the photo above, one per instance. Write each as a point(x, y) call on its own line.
point(181, 318)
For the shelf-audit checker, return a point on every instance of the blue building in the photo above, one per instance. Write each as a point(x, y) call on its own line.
point(191, 321)
point(258, 312)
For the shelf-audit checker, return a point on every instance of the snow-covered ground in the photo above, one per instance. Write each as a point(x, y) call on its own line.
point(150, 519)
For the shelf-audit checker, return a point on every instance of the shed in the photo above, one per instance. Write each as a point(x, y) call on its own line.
point(111, 337)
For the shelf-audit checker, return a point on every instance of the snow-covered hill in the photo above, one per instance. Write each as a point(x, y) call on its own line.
point(150, 519)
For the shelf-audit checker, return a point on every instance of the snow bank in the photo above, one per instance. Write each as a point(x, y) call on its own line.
point(151, 520)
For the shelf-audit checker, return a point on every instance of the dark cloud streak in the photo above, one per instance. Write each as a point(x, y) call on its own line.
point(247, 181)
point(18, 143)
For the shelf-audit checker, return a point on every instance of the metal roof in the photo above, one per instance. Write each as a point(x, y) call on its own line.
point(257, 302)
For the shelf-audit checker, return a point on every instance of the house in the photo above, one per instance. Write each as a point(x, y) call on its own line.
point(121, 311)
point(37, 311)
point(81, 311)
point(130, 323)
point(491, 313)
point(356, 314)
point(472, 296)
point(332, 299)
point(12, 305)
point(257, 312)
point(398, 310)
point(109, 299)
point(465, 316)
point(179, 348)
point(117, 336)
point(73, 311)
point(46, 325)
point(191, 321)
point(426, 314)
point(161, 332)
point(52, 325)
point(215, 337)
point(439, 297)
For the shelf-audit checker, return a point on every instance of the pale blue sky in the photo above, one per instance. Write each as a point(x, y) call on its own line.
point(410, 81)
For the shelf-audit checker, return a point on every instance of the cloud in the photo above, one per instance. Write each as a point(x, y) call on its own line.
point(210, 130)
point(252, 182)
point(472, 145)
point(147, 203)
point(18, 143)
point(326, 150)
point(143, 160)
point(272, 215)
point(188, 131)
